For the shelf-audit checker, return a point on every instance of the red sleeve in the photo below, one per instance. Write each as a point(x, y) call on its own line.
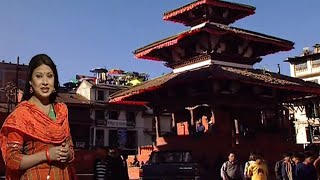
point(14, 151)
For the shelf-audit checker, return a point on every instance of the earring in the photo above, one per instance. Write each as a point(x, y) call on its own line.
point(54, 90)
point(31, 90)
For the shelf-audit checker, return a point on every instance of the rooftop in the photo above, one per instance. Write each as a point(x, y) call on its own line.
point(72, 98)
point(307, 54)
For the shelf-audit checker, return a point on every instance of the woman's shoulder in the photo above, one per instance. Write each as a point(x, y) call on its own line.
point(20, 113)
point(22, 106)
point(61, 105)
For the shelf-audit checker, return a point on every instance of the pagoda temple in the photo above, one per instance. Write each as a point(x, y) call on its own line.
point(213, 82)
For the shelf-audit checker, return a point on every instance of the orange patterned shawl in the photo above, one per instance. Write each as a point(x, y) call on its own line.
point(28, 119)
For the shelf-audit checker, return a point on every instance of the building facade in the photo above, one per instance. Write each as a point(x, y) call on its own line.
point(127, 126)
point(307, 67)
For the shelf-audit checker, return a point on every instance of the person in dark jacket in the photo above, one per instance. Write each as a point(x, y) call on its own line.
point(102, 164)
point(118, 165)
point(305, 170)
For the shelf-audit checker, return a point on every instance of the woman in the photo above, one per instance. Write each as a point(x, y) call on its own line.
point(259, 169)
point(252, 159)
point(35, 139)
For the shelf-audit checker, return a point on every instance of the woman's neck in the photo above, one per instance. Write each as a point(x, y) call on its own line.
point(37, 101)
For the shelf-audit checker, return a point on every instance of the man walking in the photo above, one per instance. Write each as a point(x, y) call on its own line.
point(232, 169)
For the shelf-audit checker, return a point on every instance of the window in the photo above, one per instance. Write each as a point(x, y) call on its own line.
point(312, 110)
point(99, 114)
point(131, 118)
point(316, 63)
point(301, 66)
point(313, 134)
point(100, 95)
point(113, 115)
point(99, 137)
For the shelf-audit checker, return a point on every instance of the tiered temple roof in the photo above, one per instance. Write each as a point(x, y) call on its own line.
point(210, 34)
point(264, 44)
point(209, 10)
point(213, 61)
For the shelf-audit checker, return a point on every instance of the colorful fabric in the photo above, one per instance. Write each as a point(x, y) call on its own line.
point(259, 171)
point(246, 169)
point(28, 130)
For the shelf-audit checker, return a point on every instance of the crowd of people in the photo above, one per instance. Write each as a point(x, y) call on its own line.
point(294, 166)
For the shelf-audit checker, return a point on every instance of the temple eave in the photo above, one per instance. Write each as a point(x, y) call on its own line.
point(291, 87)
point(242, 10)
point(268, 43)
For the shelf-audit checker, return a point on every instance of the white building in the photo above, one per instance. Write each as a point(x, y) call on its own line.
point(125, 125)
point(307, 67)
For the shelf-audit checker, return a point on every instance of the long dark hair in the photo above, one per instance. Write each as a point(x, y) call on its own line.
point(35, 62)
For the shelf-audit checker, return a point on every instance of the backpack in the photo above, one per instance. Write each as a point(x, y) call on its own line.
point(278, 169)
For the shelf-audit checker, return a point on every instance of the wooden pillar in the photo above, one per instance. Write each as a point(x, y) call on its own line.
point(173, 120)
point(157, 122)
point(192, 116)
point(157, 126)
point(237, 131)
point(94, 137)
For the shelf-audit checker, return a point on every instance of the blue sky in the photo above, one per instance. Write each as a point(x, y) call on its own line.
point(80, 34)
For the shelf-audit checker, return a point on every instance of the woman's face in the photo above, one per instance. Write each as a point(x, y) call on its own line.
point(42, 82)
